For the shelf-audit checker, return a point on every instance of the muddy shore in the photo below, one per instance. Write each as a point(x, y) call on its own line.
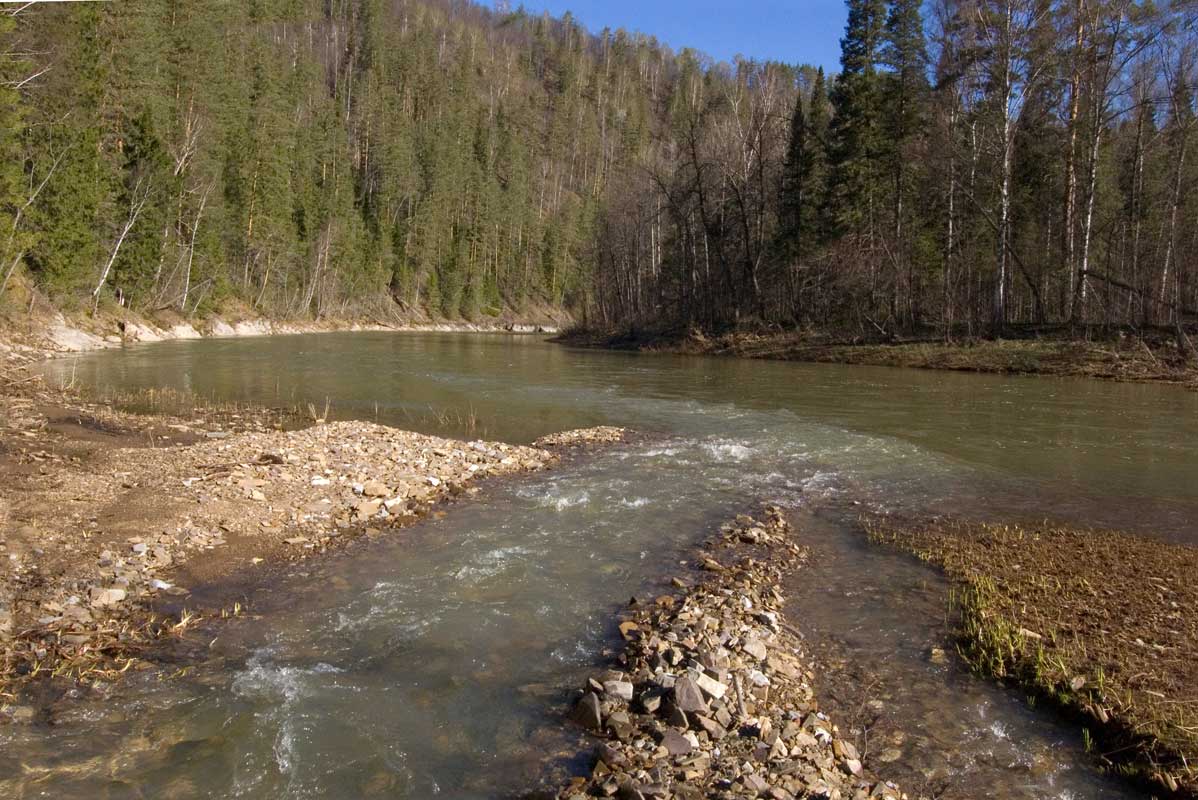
point(1119, 358)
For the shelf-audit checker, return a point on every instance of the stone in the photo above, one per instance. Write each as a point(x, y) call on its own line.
point(677, 717)
point(375, 489)
point(675, 743)
point(714, 729)
point(754, 648)
point(754, 783)
point(620, 690)
point(620, 724)
point(367, 509)
point(102, 598)
point(610, 756)
point(710, 686)
point(688, 697)
point(588, 713)
point(846, 750)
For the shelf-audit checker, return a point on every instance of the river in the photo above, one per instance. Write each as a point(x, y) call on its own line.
point(430, 663)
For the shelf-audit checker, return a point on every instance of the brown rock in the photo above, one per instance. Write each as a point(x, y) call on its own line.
point(688, 696)
point(675, 743)
point(587, 712)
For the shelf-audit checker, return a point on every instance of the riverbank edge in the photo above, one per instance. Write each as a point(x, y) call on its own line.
point(54, 333)
point(1051, 649)
point(1121, 359)
point(40, 663)
point(712, 693)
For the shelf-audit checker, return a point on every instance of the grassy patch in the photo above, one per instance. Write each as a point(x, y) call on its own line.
point(1100, 624)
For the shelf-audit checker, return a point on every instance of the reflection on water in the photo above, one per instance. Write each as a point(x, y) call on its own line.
point(429, 663)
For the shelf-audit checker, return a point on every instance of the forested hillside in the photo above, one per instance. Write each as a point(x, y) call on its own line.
point(976, 163)
point(309, 156)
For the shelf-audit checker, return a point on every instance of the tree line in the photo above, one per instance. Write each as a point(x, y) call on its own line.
point(975, 164)
point(309, 157)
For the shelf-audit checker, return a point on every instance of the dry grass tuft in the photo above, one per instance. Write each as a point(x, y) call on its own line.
point(1099, 623)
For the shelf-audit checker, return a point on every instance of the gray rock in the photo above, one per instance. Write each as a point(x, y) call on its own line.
point(754, 648)
point(677, 717)
point(106, 597)
point(710, 686)
point(375, 489)
point(620, 690)
point(620, 724)
point(714, 729)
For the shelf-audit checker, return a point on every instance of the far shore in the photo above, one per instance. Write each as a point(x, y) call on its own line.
point(1116, 356)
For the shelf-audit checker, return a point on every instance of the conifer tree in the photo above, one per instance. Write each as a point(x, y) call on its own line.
point(856, 135)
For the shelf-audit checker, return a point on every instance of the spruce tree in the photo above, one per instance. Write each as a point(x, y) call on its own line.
point(856, 136)
point(904, 53)
point(793, 200)
point(804, 178)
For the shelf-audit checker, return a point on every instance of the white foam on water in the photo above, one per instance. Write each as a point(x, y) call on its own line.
point(283, 687)
point(492, 563)
point(727, 450)
point(655, 452)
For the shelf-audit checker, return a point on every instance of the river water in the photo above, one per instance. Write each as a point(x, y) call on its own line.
point(430, 663)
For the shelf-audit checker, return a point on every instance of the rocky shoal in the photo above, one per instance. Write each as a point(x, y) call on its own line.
point(87, 550)
point(712, 695)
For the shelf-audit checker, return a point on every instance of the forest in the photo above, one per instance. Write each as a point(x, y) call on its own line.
point(974, 165)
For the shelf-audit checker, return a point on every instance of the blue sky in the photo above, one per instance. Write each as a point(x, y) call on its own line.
point(794, 31)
